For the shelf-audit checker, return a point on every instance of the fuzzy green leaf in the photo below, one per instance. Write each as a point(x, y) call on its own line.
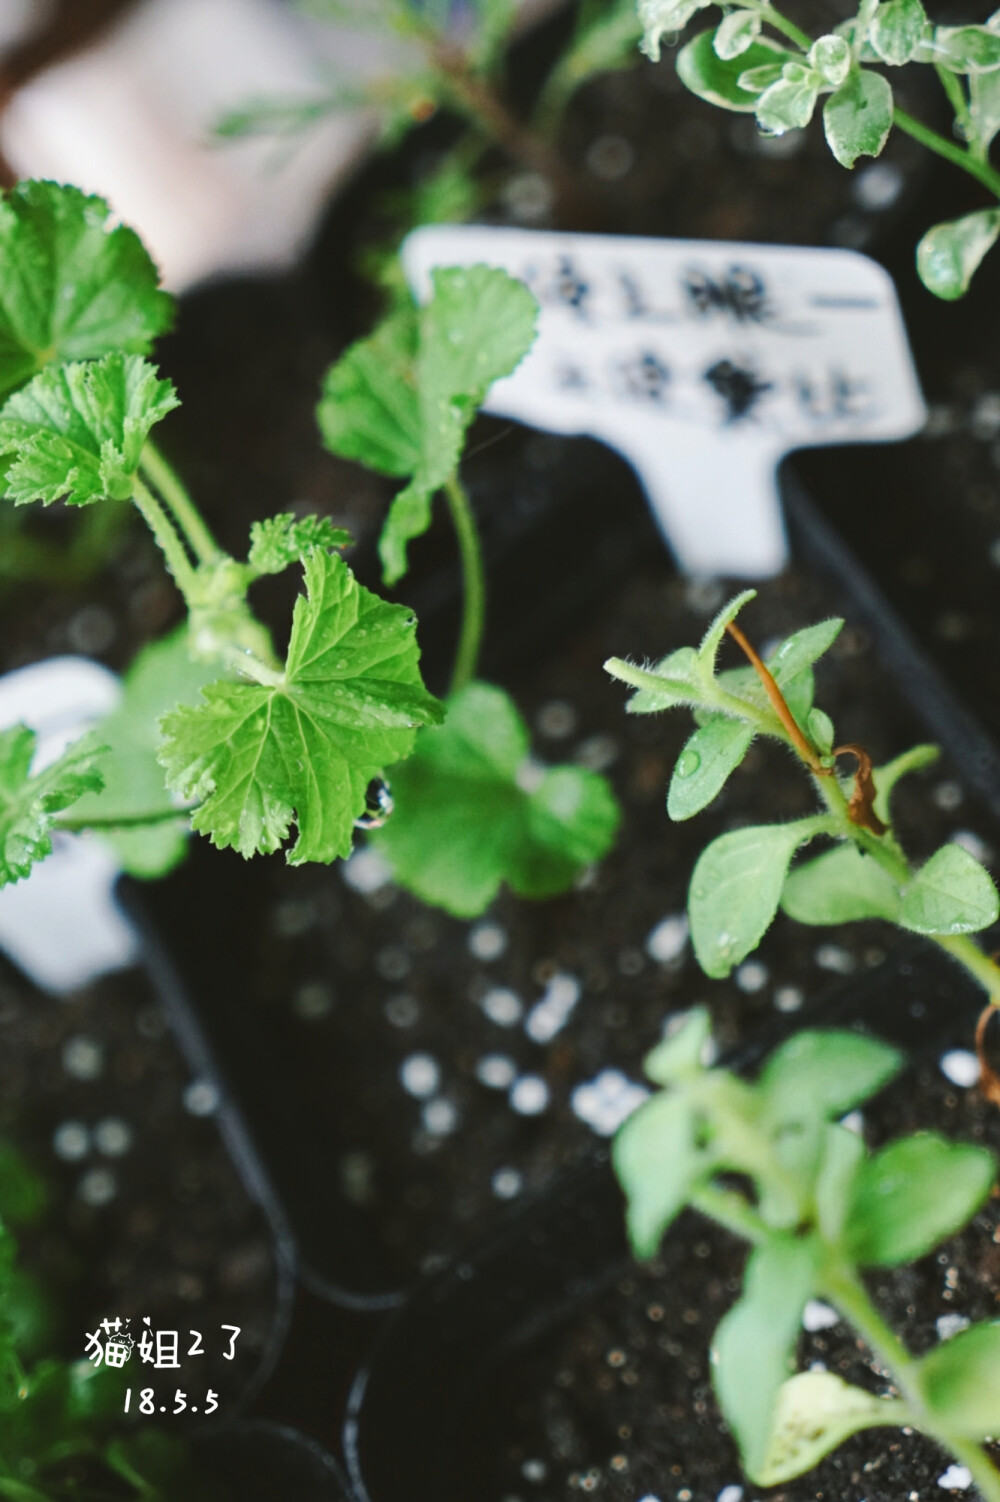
point(820, 1075)
point(665, 18)
point(736, 887)
point(280, 541)
point(789, 103)
point(711, 77)
point(657, 1164)
point(77, 431)
point(814, 1413)
point(897, 30)
point(678, 672)
point(755, 1342)
point(703, 767)
point(681, 1050)
point(984, 108)
point(161, 677)
point(819, 728)
point(830, 55)
point(965, 49)
point(960, 1380)
point(472, 812)
point(857, 119)
point(948, 256)
point(403, 400)
point(74, 287)
point(28, 804)
point(708, 650)
point(911, 1195)
point(951, 894)
point(737, 31)
point(258, 756)
point(840, 886)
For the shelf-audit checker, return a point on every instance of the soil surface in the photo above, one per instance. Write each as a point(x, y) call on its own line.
point(147, 1218)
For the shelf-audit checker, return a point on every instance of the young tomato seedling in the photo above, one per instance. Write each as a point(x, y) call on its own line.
point(742, 878)
point(768, 1161)
point(758, 62)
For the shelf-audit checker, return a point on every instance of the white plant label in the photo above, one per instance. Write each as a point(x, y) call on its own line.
point(702, 362)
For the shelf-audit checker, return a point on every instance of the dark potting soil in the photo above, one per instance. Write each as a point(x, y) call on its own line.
point(418, 1073)
point(619, 1402)
point(147, 1217)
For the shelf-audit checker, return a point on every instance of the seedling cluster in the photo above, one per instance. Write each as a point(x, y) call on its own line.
point(247, 742)
point(756, 61)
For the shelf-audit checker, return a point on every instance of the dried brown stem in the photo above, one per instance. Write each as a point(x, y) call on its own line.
point(802, 744)
point(989, 1080)
point(861, 806)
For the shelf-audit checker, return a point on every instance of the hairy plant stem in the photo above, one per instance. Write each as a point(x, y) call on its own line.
point(175, 496)
point(844, 1288)
point(127, 821)
point(473, 584)
point(167, 536)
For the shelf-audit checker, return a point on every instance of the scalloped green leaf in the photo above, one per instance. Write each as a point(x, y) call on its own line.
point(29, 803)
point(76, 432)
point(473, 812)
point(258, 756)
point(403, 400)
point(76, 287)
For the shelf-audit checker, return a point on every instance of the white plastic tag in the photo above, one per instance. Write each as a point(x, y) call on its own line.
point(702, 362)
point(61, 924)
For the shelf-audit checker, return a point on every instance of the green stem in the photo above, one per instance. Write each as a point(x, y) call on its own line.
point(731, 1211)
point(950, 150)
point(473, 584)
point(171, 488)
point(952, 85)
point(166, 535)
point(844, 1288)
point(787, 28)
point(126, 821)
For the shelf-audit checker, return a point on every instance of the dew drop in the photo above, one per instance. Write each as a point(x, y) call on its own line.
point(688, 764)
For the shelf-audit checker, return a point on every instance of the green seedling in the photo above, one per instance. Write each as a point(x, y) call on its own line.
point(744, 877)
point(758, 62)
point(453, 62)
point(217, 730)
point(768, 1161)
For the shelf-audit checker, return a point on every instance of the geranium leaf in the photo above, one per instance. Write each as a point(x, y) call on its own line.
point(28, 804)
point(74, 287)
point(282, 540)
point(76, 432)
point(472, 812)
point(403, 400)
point(162, 676)
point(304, 747)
